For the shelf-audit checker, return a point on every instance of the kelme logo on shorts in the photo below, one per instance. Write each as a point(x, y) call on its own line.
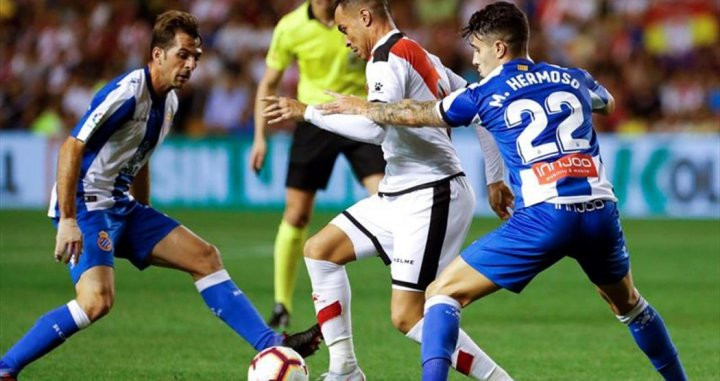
point(104, 242)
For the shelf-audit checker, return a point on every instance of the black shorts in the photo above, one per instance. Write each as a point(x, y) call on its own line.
point(313, 153)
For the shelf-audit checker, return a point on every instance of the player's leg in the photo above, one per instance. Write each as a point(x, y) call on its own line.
point(326, 254)
point(288, 249)
point(606, 261)
point(152, 238)
point(456, 287)
point(509, 257)
point(435, 223)
point(183, 250)
point(94, 285)
point(351, 235)
point(467, 358)
point(312, 156)
point(646, 326)
point(94, 299)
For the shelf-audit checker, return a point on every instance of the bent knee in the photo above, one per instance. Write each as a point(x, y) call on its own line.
point(621, 304)
point(316, 248)
point(96, 302)
point(404, 322)
point(208, 261)
point(442, 287)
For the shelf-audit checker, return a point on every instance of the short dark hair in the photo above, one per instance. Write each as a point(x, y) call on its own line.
point(167, 25)
point(504, 20)
point(377, 6)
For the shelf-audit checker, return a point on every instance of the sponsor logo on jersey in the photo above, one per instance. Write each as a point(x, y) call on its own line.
point(574, 165)
point(104, 241)
point(404, 261)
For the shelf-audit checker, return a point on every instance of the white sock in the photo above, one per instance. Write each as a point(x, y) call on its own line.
point(331, 296)
point(78, 314)
point(473, 361)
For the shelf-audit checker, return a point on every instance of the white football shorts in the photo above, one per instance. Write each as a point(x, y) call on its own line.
point(418, 233)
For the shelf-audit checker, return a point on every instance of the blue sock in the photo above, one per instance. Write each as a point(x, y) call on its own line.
point(651, 335)
point(232, 306)
point(50, 330)
point(439, 337)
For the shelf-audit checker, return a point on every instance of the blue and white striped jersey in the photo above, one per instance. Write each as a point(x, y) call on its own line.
point(124, 123)
point(541, 118)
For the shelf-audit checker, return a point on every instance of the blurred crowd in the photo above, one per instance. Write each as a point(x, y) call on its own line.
point(659, 58)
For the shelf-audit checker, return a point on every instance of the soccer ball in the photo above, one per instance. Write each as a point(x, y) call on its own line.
point(278, 364)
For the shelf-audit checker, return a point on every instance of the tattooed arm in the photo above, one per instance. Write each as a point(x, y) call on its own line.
point(404, 113)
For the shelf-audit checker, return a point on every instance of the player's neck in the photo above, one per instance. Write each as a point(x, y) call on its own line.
point(521, 56)
point(382, 29)
point(160, 89)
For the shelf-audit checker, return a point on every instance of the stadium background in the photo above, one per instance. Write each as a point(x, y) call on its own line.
point(660, 59)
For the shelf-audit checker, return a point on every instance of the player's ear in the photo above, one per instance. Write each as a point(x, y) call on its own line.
point(500, 48)
point(157, 53)
point(366, 17)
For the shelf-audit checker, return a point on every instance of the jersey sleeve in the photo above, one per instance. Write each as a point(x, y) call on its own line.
point(111, 107)
point(456, 81)
point(354, 127)
point(599, 95)
point(385, 83)
point(494, 168)
point(459, 108)
point(279, 55)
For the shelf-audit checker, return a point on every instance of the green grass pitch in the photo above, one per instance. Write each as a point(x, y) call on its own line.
point(558, 329)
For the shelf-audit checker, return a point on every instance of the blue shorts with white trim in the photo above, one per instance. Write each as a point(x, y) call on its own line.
point(536, 237)
point(129, 232)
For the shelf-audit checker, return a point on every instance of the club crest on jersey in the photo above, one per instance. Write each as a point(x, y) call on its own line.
point(104, 241)
point(378, 87)
point(575, 165)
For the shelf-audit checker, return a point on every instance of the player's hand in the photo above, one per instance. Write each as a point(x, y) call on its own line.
point(257, 154)
point(68, 242)
point(343, 104)
point(501, 199)
point(280, 109)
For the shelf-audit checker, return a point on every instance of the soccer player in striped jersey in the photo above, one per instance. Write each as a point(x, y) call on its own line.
point(420, 216)
point(100, 206)
point(541, 117)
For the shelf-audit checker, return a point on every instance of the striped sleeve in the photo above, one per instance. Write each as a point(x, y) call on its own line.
point(113, 98)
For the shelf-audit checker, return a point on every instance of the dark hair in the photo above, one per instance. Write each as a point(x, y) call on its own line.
point(379, 7)
point(167, 25)
point(505, 20)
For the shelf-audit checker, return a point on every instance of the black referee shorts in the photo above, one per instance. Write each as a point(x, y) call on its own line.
point(313, 153)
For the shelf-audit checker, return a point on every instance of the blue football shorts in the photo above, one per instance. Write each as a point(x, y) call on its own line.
point(129, 232)
point(536, 237)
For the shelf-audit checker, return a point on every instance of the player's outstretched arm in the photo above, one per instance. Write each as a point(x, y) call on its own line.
point(404, 113)
point(355, 127)
point(68, 241)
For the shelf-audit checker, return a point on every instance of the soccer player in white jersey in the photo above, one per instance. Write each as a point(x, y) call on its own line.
point(420, 216)
point(541, 117)
point(100, 205)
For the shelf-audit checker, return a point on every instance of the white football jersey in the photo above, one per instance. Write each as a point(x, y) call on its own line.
point(401, 69)
point(124, 123)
